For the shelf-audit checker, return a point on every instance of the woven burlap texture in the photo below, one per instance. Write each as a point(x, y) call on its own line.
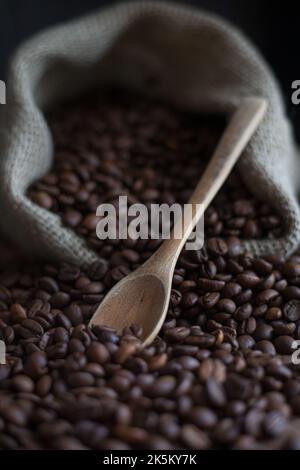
point(190, 58)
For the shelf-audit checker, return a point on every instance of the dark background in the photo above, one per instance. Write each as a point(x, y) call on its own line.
point(273, 27)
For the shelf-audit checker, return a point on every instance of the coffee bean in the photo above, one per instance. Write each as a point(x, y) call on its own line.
point(243, 312)
point(194, 438)
point(262, 266)
point(227, 305)
point(216, 375)
point(74, 314)
point(217, 246)
point(33, 326)
point(18, 313)
point(265, 347)
point(97, 352)
point(36, 364)
point(189, 299)
point(49, 284)
point(97, 270)
point(90, 222)
point(22, 383)
point(14, 415)
point(68, 273)
point(80, 379)
point(43, 385)
point(204, 417)
point(163, 386)
point(290, 269)
point(253, 422)
point(266, 296)
point(291, 293)
point(273, 313)
point(283, 328)
point(210, 285)
point(175, 298)
point(72, 218)
point(291, 310)
point(42, 199)
point(263, 331)
point(212, 368)
point(274, 423)
point(238, 387)
point(215, 393)
point(60, 299)
point(284, 344)
point(227, 431)
point(209, 300)
point(246, 341)
point(231, 289)
point(177, 334)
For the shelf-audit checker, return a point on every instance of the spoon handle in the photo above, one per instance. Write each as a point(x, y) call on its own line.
point(237, 134)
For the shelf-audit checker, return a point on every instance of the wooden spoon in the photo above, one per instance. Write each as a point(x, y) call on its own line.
point(143, 296)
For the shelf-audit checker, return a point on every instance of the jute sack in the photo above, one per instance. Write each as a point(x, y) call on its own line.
point(193, 59)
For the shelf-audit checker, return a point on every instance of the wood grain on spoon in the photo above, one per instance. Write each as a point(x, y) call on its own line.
point(143, 296)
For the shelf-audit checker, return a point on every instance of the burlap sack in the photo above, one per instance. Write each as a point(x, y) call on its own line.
point(192, 58)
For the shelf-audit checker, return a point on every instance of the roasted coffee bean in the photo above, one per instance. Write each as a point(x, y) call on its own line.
point(217, 246)
point(163, 386)
point(274, 423)
point(231, 290)
point(189, 299)
point(273, 313)
point(60, 299)
point(175, 298)
point(212, 368)
point(80, 379)
point(238, 387)
point(210, 285)
point(194, 438)
point(22, 383)
point(18, 313)
point(203, 417)
point(227, 431)
point(97, 352)
point(36, 364)
point(266, 296)
point(246, 341)
point(291, 293)
point(291, 310)
point(243, 312)
point(283, 328)
point(209, 300)
point(33, 327)
point(215, 393)
point(43, 199)
point(284, 344)
point(226, 305)
point(262, 266)
point(219, 374)
point(177, 334)
point(263, 331)
point(265, 347)
point(290, 269)
point(43, 385)
point(74, 314)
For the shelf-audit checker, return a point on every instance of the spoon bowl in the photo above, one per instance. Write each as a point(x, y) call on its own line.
point(138, 297)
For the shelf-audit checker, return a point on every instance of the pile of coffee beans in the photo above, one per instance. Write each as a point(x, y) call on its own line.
point(219, 375)
point(124, 145)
